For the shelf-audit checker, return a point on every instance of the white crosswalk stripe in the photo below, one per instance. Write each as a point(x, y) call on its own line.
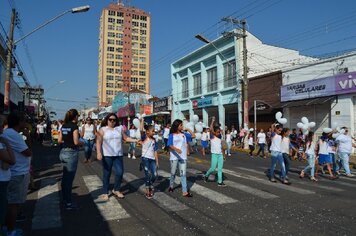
point(299, 182)
point(241, 187)
point(203, 191)
point(161, 198)
point(267, 182)
point(111, 209)
point(47, 213)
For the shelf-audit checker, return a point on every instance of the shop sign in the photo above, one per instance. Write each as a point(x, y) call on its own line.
point(162, 105)
point(204, 102)
point(329, 86)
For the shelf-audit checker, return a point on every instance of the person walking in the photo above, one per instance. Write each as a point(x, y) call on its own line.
point(276, 154)
point(228, 142)
point(132, 133)
point(286, 149)
point(344, 142)
point(217, 154)
point(323, 153)
point(261, 140)
point(7, 158)
point(19, 180)
point(88, 133)
point(251, 144)
point(69, 155)
point(310, 151)
point(110, 151)
point(178, 156)
point(166, 136)
point(204, 141)
point(149, 158)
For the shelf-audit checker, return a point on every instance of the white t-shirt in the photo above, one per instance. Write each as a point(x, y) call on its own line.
point(323, 147)
point(205, 136)
point(285, 145)
point(5, 175)
point(215, 144)
point(166, 133)
point(112, 141)
point(345, 143)
point(132, 133)
point(310, 150)
point(89, 132)
point(40, 128)
point(261, 137)
point(149, 147)
point(18, 145)
point(228, 138)
point(250, 141)
point(276, 142)
point(178, 141)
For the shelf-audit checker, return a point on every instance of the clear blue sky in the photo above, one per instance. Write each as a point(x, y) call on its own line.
point(67, 49)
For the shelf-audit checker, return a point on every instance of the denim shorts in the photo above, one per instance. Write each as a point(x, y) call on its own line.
point(16, 193)
point(323, 159)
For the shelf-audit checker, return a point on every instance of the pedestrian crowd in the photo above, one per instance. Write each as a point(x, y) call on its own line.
point(329, 152)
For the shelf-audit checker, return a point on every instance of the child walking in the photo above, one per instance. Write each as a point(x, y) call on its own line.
point(149, 157)
point(251, 144)
point(217, 153)
point(310, 151)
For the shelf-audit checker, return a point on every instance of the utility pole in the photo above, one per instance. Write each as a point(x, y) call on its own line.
point(244, 88)
point(7, 101)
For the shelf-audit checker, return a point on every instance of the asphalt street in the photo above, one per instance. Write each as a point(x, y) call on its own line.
point(249, 205)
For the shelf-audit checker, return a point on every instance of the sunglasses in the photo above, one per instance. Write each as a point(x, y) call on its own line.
point(112, 120)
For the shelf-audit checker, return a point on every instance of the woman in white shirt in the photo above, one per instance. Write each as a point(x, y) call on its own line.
point(204, 141)
point(323, 153)
point(276, 154)
point(88, 133)
point(310, 152)
point(177, 143)
point(110, 151)
point(285, 149)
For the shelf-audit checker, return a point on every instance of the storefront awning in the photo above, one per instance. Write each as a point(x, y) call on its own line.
point(158, 113)
point(308, 102)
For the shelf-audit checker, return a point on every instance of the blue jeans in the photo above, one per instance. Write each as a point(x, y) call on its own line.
point(229, 147)
point(344, 159)
point(183, 173)
point(150, 171)
point(286, 161)
point(311, 165)
point(132, 148)
point(108, 163)
point(261, 149)
point(69, 158)
point(277, 157)
point(88, 148)
point(334, 162)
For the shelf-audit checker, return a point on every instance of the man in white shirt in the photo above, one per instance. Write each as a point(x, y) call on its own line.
point(261, 140)
point(344, 142)
point(166, 131)
point(17, 188)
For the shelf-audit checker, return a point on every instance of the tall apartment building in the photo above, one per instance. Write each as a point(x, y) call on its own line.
point(124, 51)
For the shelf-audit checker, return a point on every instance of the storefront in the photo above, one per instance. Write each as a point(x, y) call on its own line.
point(161, 111)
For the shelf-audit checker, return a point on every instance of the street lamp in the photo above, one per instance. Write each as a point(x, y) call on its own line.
point(12, 43)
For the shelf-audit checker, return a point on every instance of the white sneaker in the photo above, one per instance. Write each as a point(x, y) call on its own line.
point(133, 157)
point(229, 155)
point(129, 155)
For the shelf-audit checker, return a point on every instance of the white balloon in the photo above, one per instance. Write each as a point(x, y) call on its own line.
point(136, 123)
point(190, 126)
point(251, 130)
point(138, 115)
point(312, 124)
point(327, 130)
point(305, 120)
point(198, 136)
point(235, 131)
point(335, 135)
point(195, 119)
point(334, 125)
point(282, 121)
point(278, 115)
point(199, 128)
point(300, 125)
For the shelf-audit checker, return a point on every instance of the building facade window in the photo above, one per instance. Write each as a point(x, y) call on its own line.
point(230, 74)
point(197, 84)
point(185, 90)
point(212, 80)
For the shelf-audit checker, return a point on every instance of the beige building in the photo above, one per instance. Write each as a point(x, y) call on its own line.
point(124, 51)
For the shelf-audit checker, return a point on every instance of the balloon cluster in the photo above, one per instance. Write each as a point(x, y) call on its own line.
point(194, 125)
point(279, 118)
point(305, 125)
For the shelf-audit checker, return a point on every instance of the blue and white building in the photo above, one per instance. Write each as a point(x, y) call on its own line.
point(206, 81)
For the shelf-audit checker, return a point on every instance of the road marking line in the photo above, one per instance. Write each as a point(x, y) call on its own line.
point(241, 187)
point(203, 191)
point(111, 209)
point(267, 182)
point(161, 198)
point(47, 212)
